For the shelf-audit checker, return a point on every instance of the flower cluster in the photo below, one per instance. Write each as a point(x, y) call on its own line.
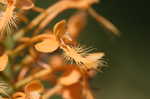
point(31, 54)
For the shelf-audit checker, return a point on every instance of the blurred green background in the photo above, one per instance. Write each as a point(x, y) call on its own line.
point(127, 76)
point(128, 56)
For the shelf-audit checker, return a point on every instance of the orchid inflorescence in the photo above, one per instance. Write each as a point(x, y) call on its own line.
point(37, 52)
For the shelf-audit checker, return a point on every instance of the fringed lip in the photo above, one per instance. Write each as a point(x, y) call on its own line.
point(83, 57)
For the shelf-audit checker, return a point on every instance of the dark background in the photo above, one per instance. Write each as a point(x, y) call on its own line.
point(128, 56)
point(127, 76)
